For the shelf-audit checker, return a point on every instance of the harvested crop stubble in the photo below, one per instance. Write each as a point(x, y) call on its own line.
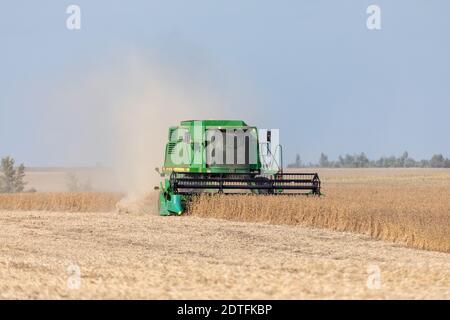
point(60, 201)
point(411, 215)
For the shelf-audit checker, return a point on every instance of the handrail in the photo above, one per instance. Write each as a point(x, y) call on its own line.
point(273, 156)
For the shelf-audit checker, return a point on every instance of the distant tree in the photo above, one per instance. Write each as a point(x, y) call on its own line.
point(402, 160)
point(11, 178)
point(361, 160)
point(447, 163)
point(323, 161)
point(7, 179)
point(298, 161)
point(424, 163)
point(341, 162)
point(19, 184)
point(410, 163)
point(391, 162)
point(297, 164)
point(437, 161)
point(349, 161)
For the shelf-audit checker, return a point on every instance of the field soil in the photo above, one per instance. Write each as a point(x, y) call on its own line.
point(119, 255)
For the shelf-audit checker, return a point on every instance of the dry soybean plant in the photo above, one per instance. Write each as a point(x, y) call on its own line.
point(60, 201)
point(414, 216)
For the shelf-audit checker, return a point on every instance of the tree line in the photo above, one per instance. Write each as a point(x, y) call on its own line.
point(362, 161)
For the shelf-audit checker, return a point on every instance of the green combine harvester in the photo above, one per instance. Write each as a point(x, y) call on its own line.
point(225, 156)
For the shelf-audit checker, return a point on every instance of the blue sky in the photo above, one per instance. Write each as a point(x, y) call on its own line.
point(310, 68)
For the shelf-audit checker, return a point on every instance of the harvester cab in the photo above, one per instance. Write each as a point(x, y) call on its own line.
point(225, 156)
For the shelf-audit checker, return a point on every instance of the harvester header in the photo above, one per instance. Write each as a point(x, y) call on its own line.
point(225, 156)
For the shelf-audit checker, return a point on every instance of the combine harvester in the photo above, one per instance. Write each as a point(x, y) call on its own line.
point(225, 156)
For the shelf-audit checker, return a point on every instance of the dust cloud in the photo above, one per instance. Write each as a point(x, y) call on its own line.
point(125, 107)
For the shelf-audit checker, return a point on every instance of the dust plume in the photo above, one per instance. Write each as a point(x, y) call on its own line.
point(125, 107)
point(153, 99)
